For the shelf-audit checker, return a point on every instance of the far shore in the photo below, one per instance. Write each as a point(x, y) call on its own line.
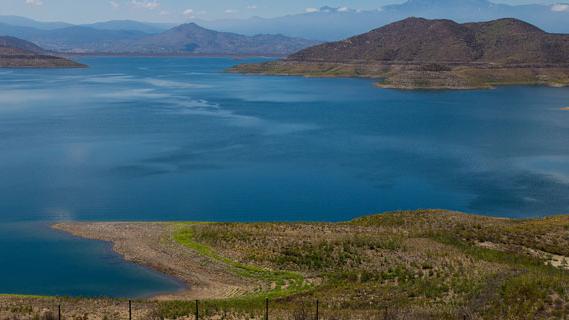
point(418, 76)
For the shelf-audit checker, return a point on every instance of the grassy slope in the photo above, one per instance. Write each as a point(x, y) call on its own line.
point(424, 264)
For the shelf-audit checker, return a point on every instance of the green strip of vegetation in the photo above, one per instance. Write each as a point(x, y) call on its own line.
point(286, 283)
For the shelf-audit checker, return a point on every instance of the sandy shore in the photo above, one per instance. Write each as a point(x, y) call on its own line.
point(565, 109)
point(152, 245)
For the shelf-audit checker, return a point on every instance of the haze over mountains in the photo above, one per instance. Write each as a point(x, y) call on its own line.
point(138, 37)
point(266, 36)
point(331, 24)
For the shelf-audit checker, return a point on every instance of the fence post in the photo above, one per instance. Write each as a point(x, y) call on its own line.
point(267, 309)
point(58, 312)
point(197, 310)
point(129, 310)
point(317, 310)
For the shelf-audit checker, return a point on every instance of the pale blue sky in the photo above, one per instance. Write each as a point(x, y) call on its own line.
point(85, 11)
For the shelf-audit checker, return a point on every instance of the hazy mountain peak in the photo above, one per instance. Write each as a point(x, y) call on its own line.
point(190, 27)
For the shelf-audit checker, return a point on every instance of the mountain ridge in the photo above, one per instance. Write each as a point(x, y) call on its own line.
point(188, 38)
point(421, 40)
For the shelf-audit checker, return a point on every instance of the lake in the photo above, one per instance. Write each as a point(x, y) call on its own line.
point(180, 139)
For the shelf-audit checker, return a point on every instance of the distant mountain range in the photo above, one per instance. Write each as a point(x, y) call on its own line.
point(124, 25)
point(30, 23)
point(268, 36)
point(437, 54)
point(191, 38)
point(136, 37)
point(331, 24)
point(17, 53)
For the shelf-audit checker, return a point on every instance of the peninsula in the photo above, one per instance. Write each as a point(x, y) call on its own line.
point(417, 53)
point(429, 264)
point(17, 53)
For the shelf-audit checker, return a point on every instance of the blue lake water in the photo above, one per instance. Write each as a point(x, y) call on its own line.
point(179, 139)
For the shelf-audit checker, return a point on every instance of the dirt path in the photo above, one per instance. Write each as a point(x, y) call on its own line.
point(152, 245)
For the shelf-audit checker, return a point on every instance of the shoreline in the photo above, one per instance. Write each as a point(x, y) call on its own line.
point(417, 76)
point(151, 245)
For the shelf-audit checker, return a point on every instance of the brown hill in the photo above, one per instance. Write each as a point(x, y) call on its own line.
point(17, 53)
point(507, 41)
point(437, 54)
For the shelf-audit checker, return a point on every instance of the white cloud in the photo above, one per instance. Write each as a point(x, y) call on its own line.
point(34, 2)
point(146, 4)
point(252, 7)
point(189, 13)
point(343, 9)
point(114, 4)
point(311, 10)
point(230, 11)
point(560, 7)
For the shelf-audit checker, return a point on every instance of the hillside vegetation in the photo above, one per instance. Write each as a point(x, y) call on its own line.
point(418, 53)
point(429, 264)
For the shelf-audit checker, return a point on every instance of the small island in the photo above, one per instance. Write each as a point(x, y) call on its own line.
point(418, 53)
point(17, 53)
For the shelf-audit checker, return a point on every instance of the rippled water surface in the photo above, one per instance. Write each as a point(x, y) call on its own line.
point(179, 139)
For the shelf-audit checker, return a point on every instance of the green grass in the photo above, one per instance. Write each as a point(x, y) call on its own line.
point(287, 283)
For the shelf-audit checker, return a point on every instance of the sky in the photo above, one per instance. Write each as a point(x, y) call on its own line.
point(176, 11)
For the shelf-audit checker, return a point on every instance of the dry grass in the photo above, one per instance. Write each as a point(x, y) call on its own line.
point(429, 264)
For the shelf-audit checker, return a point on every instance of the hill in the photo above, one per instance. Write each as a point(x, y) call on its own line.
point(17, 53)
point(507, 41)
point(421, 53)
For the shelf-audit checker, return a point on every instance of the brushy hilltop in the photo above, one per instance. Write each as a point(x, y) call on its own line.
point(429, 264)
point(17, 53)
point(504, 41)
point(420, 53)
